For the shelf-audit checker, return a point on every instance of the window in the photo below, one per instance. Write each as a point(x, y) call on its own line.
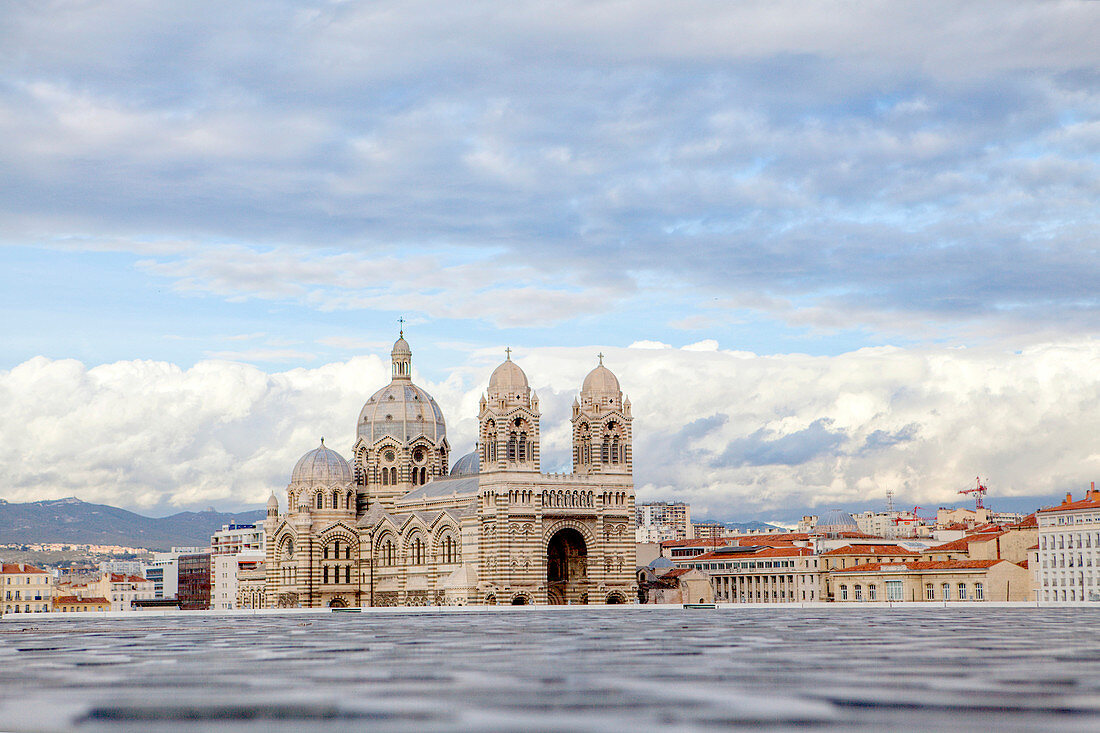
point(946, 588)
point(843, 592)
point(320, 501)
point(872, 592)
point(962, 591)
point(858, 591)
point(929, 592)
point(979, 594)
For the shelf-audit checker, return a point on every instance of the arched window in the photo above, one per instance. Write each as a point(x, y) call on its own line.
point(522, 447)
point(385, 477)
point(417, 552)
point(349, 502)
point(393, 476)
point(335, 499)
point(512, 439)
point(320, 500)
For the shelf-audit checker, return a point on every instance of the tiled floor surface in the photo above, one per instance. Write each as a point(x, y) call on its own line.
point(629, 669)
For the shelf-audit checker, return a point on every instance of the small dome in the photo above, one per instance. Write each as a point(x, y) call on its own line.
point(508, 379)
point(468, 465)
point(836, 521)
point(661, 562)
point(321, 466)
point(272, 502)
point(401, 348)
point(601, 381)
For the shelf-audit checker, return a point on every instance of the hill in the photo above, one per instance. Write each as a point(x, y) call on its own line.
point(79, 522)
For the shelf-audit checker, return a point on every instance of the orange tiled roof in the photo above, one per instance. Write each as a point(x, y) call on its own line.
point(765, 552)
point(963, 543)
point(875, 567)
point(1028, 522)
point(21, 567)
point(870, 550)
point(77, 599)
point(675, 573)
point(1091, 501)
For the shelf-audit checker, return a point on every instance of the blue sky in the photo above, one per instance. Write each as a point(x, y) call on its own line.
point(775, 191)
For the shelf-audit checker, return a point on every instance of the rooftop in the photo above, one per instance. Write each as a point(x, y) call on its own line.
point(911, 565)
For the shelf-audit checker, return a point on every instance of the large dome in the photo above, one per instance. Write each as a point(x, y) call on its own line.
point(321, 466)
point(468, 465)
point(835, 522)
point(601, 381)
point(403, 411)
point(508, 380)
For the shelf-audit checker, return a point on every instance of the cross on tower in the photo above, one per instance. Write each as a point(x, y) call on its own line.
point(508, 352)
point(401, 331)
point(601, 357)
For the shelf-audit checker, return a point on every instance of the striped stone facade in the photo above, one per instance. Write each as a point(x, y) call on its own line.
point(392, 527)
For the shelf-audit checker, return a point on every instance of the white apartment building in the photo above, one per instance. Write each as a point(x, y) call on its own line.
point(662, 520)
point(122, 590)
point(1069, 550)
point(225, 576)
point(234, 538)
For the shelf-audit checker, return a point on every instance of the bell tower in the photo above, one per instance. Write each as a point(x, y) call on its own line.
point(602, 434)
point(509, 421)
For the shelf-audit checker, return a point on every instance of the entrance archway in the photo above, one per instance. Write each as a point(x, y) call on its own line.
point(337, 603)
point(566, 567)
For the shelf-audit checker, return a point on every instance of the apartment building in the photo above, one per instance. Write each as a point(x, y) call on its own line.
point(662, 520)
point(25, 589)
point(1069, 550)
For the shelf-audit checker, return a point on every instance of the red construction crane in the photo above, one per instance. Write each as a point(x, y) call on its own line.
point(916, 517)
point(979, 491)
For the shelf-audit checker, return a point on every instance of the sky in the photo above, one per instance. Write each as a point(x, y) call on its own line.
point(831, 249)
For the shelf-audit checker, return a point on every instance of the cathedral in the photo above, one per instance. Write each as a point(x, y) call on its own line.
point(398, 525)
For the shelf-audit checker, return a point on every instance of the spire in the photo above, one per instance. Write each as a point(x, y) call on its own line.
point(401, 327)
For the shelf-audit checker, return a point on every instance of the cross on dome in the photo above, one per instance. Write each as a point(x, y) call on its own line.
point(401, 327)
point(508, 353)
point(601, 357)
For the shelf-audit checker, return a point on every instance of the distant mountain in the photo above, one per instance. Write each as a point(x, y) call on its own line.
point(78, 522)
point(754, 526)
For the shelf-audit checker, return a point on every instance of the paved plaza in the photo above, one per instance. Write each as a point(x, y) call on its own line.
point(566, 669)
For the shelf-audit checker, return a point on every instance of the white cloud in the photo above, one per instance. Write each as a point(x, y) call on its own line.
point(734, 433)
